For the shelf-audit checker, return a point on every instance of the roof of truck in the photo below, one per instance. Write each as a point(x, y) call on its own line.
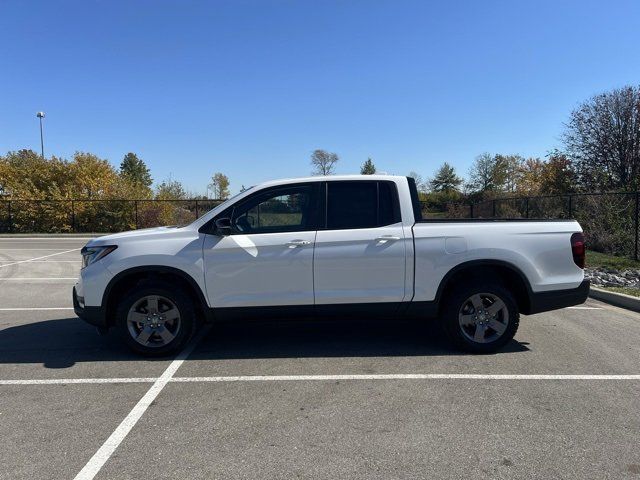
point(321, 178)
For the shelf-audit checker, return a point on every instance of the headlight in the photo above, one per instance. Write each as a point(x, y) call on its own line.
point(93, 254)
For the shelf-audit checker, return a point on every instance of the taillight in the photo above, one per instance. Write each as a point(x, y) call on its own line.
point(578, 249)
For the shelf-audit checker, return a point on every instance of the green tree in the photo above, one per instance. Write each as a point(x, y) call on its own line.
point(368, 168)
point(481, 173)
point(493, 173)
point(25, 174)
point(507, 172)
point(445, 179)
point(324, 162)
point(91, 176)
point(135, 170)
point(530, 176)
point(558, 175)
point(170, 190)
point(220, 186)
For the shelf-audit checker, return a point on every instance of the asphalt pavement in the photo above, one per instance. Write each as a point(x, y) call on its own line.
point(307, 399)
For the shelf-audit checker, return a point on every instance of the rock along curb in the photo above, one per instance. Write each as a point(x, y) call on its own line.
point(617, 299)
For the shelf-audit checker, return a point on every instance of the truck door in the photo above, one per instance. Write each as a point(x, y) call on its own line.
point(268, 257)
point(360, 254)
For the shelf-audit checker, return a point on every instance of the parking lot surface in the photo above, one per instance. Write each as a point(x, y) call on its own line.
point(307, 399)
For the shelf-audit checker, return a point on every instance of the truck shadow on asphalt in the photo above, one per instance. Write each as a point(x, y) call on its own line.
point(64, 342)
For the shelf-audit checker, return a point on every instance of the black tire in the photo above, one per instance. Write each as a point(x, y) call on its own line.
point(458, 302)
point(184, 327)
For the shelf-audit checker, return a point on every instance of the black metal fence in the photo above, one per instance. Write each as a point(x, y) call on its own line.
point(610, 220)
point(86, 216)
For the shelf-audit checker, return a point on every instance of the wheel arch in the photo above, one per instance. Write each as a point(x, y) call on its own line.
point(131, 277)
point(512, 277)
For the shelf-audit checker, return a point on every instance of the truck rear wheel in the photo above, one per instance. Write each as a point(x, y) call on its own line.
point(155, 319)
point(480, 317)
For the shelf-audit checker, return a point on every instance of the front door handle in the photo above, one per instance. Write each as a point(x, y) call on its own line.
point(298, 243)
point(387, 238)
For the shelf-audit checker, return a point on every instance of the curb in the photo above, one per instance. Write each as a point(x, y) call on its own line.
point(617, 299)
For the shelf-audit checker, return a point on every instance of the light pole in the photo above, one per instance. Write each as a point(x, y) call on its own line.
point(40, 115)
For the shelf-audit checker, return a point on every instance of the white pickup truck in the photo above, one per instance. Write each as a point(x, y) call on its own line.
point(340, 246)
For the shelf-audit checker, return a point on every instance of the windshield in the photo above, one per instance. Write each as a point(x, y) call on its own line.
point(226, 203)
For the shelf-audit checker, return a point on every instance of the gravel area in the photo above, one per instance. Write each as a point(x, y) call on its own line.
point(609, 277)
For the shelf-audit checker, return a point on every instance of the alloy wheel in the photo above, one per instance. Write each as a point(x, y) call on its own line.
point(153, 321)
point(483, 318)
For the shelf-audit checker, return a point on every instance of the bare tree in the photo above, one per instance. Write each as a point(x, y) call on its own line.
point(421, 185)
point(323, 162)
point(602, 138)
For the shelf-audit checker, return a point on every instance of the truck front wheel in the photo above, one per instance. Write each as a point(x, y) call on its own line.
point(480, 317)
point(155, 319)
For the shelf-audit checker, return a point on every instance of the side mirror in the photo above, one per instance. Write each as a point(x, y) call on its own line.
point(223, 226)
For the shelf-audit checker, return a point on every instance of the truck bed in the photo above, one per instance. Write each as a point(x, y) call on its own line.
point(539, 249)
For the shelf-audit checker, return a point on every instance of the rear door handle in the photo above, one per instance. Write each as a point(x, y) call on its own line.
point(298, 243)
point(386, 238)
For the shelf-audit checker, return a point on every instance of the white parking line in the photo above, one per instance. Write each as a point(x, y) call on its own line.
point(45, 261)
point(308, 378)
point(585, 308)
point(103, 454)
point(27, 309)
point(43, 239)
point(37, 278)
point(75, 381)
point(401, 376)
point(39, 258)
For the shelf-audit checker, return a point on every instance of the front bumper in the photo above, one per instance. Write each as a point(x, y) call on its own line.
point(92, 315)
point(555, 299)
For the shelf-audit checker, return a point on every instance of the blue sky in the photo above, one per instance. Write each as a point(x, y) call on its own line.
point(251, 88)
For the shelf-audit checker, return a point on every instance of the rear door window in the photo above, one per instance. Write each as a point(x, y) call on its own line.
point(361, 204)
